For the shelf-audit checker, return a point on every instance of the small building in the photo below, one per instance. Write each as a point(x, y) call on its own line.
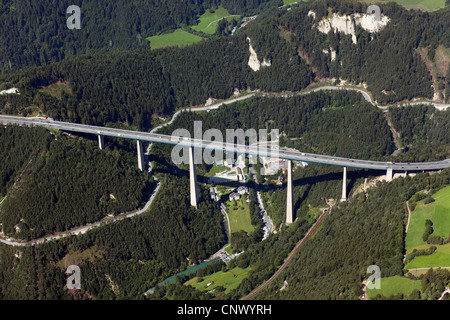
point(280, 180)
point(234, 196)
point(10, 91)
point(242, 190)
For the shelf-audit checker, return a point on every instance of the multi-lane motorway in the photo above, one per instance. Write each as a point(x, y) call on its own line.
point(226, 147)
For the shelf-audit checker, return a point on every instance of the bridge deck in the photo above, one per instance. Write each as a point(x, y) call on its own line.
point(227, 147)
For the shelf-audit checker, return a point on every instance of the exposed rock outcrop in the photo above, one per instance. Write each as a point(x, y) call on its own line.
point(253, 61)
point(347, 24)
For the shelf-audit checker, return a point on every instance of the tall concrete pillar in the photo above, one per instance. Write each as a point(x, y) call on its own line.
point(101, 142)
point(193, 178)
point(290, 196)
point(140, 154)
point(344, 186)
point(389, 174)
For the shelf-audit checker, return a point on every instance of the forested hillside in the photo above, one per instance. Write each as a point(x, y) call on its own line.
point(133, 87)
point(386, 60)
point(360, 233)
point(422, 132)
point(53, 182)
point(333, 123)
point(138, 87)
point(122, 259)
point(34, 33)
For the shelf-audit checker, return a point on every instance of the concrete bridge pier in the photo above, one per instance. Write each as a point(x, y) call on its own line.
point(290, 196)
point(140, 154)
point(193, 179)
point(389, 174)
point(101, 142)
point(344, 186)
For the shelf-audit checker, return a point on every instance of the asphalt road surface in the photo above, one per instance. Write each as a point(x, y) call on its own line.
point(227, 147)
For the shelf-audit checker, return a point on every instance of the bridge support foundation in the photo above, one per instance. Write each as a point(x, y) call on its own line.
point(193, 178)
point(140, 154)
point(389, 174)
point(290, 196)
point(344, 186)
point(101, 142)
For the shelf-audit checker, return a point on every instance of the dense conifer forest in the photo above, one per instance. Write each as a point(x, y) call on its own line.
point(423, 132)
point(122, 259)
point(34, 33)
point(53, 182)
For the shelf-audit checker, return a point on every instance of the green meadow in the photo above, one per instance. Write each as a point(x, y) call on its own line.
point(239, 215)
point(286, 2)
point(208, 20)
point(215, 170)
point(440, 258)
point(394, 285)
point(177, 38)
point(207, 24)
point(439, 213)
point(229, 280)
point(425, 5)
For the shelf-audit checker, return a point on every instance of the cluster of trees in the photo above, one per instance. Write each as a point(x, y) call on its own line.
point(249, 7)
point(434, 282)
point(17, 147)
point(266, 257)
point(428, 230)
point(423, 132)
point(62, 182)
point(431, 238)
point(417, 253)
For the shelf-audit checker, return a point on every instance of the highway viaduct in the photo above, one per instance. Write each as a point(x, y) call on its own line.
point(190, 144)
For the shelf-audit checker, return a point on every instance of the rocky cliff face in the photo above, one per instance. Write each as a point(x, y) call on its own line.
point(253, 61)
point(347, 24)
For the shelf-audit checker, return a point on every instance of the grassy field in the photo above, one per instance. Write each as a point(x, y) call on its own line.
point(394, 285)
point(285, 2)
point(440, 258)
point(229, 280)
point(425, 5)
point(215, 170)
point(439, 213)
point(208, 20)
point(177, 38)
point(56, 89)
point(239, 217)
